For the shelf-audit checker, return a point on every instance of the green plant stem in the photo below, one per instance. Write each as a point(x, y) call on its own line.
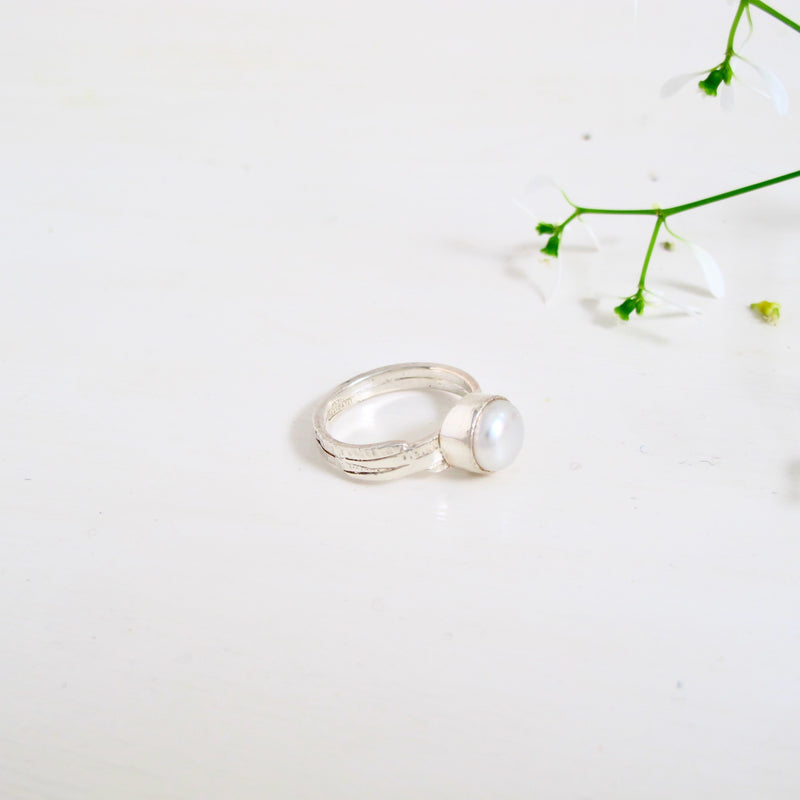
point(649, 253)
point(744, 5)
point(736, 20)
point(636, 301)
point(576, 213)
point(733, 193)
point(668, 212)
point(722, 73)
point(772, 12)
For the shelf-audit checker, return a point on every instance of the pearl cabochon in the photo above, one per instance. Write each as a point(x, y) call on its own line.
point(498, 435)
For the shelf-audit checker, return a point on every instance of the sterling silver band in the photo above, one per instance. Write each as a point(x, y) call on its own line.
point(452, 446)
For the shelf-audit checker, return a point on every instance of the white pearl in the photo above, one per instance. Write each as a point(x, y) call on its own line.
point(498, 435)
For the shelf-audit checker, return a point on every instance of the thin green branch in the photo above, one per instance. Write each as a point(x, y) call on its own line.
point(721, 74)
point(773, 13)
point(733, 193)
point(736, 20)
point(640, 211)
point(668, 212)
point(636, 302)
point(656, 228)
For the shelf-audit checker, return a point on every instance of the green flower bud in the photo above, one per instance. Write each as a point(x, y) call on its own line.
point(711, 82)
point(727, 72)
point(769, 312)
point(625, 308)
point(629, 305)
point(551, 248)
point(545, 227)
point(721, 74)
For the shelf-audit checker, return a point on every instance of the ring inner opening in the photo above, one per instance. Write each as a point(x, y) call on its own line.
point(407, 415)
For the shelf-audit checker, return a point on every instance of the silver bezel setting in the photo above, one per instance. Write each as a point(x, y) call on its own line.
point(458, 431)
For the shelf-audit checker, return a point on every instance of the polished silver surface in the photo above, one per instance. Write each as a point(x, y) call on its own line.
point(395, 459)
point(458, 431)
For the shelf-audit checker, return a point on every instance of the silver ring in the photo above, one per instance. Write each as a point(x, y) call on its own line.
point(481, 433)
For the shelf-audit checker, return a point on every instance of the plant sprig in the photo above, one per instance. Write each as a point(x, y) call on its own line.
point(721, 74)
point(636, 302)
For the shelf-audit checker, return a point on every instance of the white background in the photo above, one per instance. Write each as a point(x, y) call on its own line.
point(211, 213)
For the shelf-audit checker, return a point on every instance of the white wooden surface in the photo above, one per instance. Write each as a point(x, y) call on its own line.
point(213, 212)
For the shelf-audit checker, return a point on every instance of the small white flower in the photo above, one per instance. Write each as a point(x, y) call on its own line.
point(546, 296)
point(771, 86)
point(544, 189)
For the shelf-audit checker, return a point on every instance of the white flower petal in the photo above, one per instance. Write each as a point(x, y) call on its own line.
point(711, 271)
point(726, 96)
point(676, 83)
point(542, 181)
point(591, 233)
point(674, 304)
point(527, 209)
point(542, 194)
point(776, 91)
point(557, 284)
